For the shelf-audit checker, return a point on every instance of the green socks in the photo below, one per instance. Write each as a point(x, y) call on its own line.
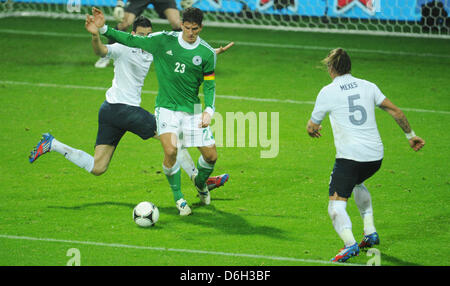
point(204, 171)
point(174, 177)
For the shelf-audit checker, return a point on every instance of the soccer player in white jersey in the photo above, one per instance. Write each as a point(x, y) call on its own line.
point(121, 111)
point(125, 14)
point(351, 103)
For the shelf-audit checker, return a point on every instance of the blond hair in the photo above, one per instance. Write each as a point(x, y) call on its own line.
point(339, 61)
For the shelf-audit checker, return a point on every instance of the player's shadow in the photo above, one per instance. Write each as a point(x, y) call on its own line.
point(207, 216)
point(396, 261)
point(228, 223)
point(79, 207)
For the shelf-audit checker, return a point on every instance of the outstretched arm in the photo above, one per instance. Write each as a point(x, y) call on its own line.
point(124, 38)
point(223, 49)
point(414, 141)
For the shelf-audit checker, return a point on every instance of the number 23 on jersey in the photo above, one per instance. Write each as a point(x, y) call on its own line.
point(180, 68)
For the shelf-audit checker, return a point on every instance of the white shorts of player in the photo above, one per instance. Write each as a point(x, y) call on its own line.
point(185, 126)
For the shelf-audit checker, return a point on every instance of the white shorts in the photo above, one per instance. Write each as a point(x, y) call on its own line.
point(185, 126)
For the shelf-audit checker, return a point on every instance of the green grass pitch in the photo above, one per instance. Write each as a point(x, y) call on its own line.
point(272, 211)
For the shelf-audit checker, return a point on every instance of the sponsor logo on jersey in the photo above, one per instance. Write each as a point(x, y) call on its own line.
point(197, 60)
point(169, 52)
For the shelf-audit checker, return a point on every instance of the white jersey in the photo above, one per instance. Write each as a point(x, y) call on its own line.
point(131, 65)
point(351, 103)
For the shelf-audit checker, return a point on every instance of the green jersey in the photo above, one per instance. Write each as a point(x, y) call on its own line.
point(181, 67)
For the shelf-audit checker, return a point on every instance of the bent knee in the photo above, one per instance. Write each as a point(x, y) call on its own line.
point(211, 158)
point(171, 152)
point(98, 171)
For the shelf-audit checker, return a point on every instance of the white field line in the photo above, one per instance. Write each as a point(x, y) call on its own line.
point(195, 251)
point(241, 43)
point(232, 97)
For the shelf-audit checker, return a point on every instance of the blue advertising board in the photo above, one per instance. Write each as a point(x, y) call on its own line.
point(404, 10)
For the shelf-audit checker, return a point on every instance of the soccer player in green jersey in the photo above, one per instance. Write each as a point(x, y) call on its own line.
point(183, 62)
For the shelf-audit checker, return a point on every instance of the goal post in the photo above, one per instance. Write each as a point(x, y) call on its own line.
point(415, 18)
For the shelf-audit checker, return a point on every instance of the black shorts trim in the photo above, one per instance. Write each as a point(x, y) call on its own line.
point(348, 173)
point(136, 7)
point(116, 119)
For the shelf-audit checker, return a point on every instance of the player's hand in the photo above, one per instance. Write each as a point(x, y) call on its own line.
point(313, 129)
point(224, 49)
point(315, 133)
point(90, 26)
point(119, 11)
point(416, 143)
point(206, 120)
point(99, 17)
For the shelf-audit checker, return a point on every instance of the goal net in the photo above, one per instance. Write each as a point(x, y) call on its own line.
point(417, 18)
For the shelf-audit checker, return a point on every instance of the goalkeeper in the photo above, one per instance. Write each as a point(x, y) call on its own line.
point(127, 13)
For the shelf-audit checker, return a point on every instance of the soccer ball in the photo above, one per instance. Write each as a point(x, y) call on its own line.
point(145, 214)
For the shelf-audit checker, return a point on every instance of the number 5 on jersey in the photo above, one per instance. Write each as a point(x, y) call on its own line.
point(179, 67)
point(354, 107)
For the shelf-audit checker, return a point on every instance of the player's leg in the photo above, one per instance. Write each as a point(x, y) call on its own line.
point(202, 138)
point(363, 201)
point(96, 165)
point(145, 125)
point(133, 9)
point(127, 21)
point(172, 170)
point(49, 144)
point(186, 162)
point(340, 189)
point(108, 136)
point(188, 165)
point(205, 167)
point(205, 164)
point(102, 158)
point(168, 131)
point(173, 16)
point(167, 9)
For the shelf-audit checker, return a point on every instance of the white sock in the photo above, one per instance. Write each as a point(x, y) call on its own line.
point(364, 202)
point(186, 162)
point(78, 157)
point(341, 221)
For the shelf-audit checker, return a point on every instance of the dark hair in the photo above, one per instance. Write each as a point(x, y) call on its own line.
point(141, 21)
point(339, 61)
point(193, 15)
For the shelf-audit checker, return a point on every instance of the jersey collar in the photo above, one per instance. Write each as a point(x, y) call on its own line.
point(185, 44)
point(344, 76)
